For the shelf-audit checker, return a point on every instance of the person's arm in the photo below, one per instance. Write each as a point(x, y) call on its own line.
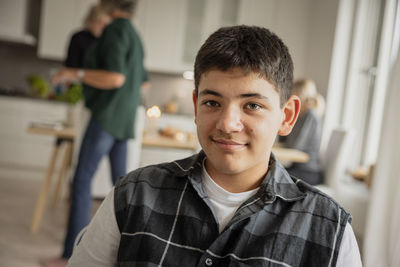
point(101, 79)
point(99, 244)
point(349, 254)
point(111, 63)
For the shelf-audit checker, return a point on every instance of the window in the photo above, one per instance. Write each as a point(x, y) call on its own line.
point(366, 37)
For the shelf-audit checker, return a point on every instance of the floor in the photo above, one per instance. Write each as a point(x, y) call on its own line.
point(19, 247)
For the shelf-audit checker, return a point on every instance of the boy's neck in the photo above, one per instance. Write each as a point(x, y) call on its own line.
point(239, 182)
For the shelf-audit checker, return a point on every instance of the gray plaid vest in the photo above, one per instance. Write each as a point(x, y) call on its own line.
point(166, 219)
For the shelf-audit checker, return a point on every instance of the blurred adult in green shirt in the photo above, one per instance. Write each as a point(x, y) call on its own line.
point(112, 80)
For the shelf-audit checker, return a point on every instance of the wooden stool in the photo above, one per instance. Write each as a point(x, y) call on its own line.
point(65, 137)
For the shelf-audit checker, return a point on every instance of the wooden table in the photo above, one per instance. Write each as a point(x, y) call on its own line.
point(63, 136)
point(283, 154)
point(290, 155)
point(190, 143)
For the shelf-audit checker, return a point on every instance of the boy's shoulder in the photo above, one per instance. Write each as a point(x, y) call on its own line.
point(320, 203)
point(160, 172)
point(145, 185)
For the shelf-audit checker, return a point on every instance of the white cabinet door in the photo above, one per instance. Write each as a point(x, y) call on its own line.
point(173, 31)
point(290, 20)
point(204, 18)
point(13, 21)
point(160, 24)
point(259, 13)
point(59, 20)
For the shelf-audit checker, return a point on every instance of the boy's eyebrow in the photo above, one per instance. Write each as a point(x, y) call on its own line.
point(255, 95)
point(209, 92)
point(247, 95)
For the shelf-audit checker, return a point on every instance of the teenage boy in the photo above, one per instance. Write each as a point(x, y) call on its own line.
point(233, 204)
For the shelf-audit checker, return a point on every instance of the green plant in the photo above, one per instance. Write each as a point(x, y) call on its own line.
point(39, 85)
point(74, 93)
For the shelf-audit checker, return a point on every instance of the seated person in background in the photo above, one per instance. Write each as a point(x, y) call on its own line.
point(306, 134)
point(232, 204)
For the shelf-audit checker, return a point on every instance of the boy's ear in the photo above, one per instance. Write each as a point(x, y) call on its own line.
point(291, 112)
point(194, 97)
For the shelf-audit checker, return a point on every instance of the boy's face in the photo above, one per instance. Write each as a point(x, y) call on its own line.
point(238, 117)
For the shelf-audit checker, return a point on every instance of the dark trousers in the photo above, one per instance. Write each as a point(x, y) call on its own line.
point(96, 143)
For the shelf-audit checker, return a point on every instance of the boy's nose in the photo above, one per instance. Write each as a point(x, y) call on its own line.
point(230, 120)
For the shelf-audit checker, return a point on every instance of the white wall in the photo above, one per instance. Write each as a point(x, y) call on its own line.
point(321, 36)
point(307, 27)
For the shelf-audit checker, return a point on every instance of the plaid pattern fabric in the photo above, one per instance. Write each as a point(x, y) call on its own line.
point(166, 219)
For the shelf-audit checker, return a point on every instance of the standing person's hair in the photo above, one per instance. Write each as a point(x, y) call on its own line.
point(251, 48)
point(95, 12)
point(127, 6)
point(306, 90)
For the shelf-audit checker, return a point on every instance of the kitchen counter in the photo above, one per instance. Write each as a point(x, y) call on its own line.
point(23, 95)
point(189, 143)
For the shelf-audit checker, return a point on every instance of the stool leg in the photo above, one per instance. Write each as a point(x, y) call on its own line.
point(63, 170)
point(44, 191)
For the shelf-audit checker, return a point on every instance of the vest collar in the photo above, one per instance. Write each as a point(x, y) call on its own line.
point(277, 182)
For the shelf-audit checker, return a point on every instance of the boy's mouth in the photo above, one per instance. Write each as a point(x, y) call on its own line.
point(228, 144)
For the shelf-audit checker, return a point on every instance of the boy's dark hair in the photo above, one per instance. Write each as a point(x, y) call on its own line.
point(127, 6)
point(251, 48)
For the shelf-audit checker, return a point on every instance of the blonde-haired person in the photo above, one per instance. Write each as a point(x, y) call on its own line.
point(306, 134)
point(306, 90)
point(93, 25)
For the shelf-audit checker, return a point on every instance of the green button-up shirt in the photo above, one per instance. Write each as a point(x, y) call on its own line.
point(119, 49)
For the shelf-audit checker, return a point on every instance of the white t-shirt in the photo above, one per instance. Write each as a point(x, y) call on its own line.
point(224, 203)
point(100, 242)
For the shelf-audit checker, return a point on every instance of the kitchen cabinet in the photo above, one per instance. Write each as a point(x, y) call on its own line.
point(290, 20)
point(173, 31)
point(160, 24)
point(13, 22)
point(18, 148)
point(203, 18)
point(59, 20)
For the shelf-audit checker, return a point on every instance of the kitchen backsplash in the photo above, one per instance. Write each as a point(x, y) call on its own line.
point(18, 61)
point(167, 88)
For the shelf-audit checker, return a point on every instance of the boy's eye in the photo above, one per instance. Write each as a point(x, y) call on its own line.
point(211, 103)
point(252, 106)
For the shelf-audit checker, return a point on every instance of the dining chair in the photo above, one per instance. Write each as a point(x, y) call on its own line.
point(333, 160)
point(350, 194)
